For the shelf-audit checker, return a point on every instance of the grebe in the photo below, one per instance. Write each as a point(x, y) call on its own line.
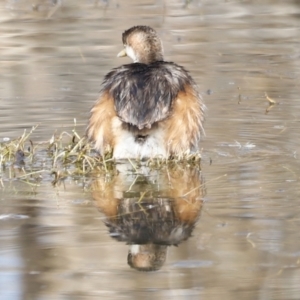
point(147, 108)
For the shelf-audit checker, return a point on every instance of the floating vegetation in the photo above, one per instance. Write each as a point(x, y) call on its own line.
point(271, 101)
point(63, 155)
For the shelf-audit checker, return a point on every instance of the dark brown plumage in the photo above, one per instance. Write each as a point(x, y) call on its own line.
point(147, 108)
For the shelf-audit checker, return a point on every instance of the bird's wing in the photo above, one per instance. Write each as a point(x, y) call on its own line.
point(144, 94)
point(99, 128)
point(184, 128)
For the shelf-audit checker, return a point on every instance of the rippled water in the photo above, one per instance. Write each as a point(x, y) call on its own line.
point(55, 241)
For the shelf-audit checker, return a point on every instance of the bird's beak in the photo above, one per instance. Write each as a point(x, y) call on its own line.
point(122, 53)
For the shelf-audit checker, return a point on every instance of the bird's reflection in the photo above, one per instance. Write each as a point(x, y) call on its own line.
point(150, 209)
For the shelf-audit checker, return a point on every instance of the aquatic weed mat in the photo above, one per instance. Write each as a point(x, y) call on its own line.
point(62, 155)
point(66, 154)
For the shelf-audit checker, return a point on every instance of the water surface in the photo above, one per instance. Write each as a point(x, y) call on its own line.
point(245, 244)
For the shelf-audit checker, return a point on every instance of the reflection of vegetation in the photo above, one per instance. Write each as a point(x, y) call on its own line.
point(66, 154)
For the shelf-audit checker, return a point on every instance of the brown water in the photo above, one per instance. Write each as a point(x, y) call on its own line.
point(246, 242)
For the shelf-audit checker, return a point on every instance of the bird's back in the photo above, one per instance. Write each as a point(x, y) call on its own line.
point(144, 108)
